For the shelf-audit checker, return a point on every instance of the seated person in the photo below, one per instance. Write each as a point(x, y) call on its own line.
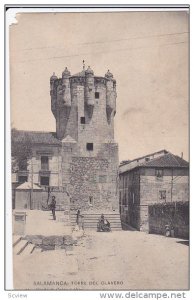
point(107, 223)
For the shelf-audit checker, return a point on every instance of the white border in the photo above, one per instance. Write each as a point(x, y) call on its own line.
point(48, 294)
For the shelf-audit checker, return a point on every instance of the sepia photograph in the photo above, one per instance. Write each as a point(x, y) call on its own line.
point(99, 123)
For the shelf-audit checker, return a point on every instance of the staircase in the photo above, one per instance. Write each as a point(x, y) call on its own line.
point(23, 247)
point(91, 220)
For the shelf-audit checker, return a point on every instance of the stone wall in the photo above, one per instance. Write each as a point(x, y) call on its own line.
point(175, 214)
point(52, 242)
point(129, 198)
point(174, 187)
point(91, 181)
point(25, 199)
point(40, 199)
point(93, 185)
point(71, 128)
point(96, 129)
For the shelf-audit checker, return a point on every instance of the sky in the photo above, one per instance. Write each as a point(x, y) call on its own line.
point(147, 52)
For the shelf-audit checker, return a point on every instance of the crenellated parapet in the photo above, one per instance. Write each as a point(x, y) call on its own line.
point(65, 96)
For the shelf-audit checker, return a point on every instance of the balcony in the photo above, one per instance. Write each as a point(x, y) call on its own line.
point(22, 176)
point(44, 172)
point(23, 172)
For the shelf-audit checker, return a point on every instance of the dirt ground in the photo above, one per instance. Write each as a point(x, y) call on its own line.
point(121, 260)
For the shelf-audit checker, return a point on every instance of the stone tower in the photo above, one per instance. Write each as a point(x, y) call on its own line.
point(84, 106)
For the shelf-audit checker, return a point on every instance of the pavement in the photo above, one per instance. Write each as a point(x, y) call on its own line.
point(120, 260)
point(40, 222)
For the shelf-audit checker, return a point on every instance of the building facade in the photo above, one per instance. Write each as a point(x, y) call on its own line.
point(156, 178)
point(81, 157)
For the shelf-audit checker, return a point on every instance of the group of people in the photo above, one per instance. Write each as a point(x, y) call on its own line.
point(79, 217)
point(102, 225)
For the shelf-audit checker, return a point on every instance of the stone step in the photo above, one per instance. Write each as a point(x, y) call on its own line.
point(97, 214)
point(21, 245)
point(95, 227)
point(28, 249)
point(16, 239)
point(37, 250)
point(95, 224)
point(96, 218)
point(63, 219)
point(96, 221)
point(91, 220)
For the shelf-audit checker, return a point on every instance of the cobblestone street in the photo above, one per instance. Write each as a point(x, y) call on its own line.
point(118, 260)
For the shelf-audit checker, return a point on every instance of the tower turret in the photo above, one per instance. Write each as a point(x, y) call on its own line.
point(110, 94)
point(60, 101)
point(89, 90)
point(53, 93)
point(66, 88)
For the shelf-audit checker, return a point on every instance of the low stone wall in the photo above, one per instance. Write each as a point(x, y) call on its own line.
point(175, 214)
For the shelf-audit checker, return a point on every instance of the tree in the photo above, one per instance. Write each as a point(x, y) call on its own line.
point(21, 151)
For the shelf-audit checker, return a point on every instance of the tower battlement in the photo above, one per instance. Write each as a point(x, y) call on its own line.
point(82, 101)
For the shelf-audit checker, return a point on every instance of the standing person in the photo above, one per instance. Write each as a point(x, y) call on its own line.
point(101, 222)
point(53, 207)
point(82, 221)
point(78, 216)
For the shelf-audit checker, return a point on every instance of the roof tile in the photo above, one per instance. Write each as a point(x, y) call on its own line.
point(167, 160)
point(36, 137)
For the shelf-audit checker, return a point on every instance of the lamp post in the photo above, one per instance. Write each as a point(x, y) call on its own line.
point(31, 194)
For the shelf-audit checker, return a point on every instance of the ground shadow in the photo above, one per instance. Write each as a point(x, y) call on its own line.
point(183, 243)
point(127, 227)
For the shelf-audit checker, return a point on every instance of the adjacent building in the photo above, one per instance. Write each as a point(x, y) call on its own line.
point(154, 178)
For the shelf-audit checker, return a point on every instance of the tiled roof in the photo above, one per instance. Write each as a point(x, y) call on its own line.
point(167, 160)
point(162, 152)
point(36, 137)
point(28, 186)
point(131, 164)
point(164, 160)
point(68, 139)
